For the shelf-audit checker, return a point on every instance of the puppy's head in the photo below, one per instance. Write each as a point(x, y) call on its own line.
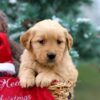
point(48, 41)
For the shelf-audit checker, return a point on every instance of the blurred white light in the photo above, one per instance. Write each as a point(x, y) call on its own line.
point(83, 20)
point(12, 1)
point(86, 36)
point(56, 19)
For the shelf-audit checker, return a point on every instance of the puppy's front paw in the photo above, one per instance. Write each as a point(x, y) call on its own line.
point(43, 80)
point(27, 82)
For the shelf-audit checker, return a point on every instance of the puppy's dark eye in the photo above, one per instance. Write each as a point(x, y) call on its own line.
point(41, 41)
point(59, 41)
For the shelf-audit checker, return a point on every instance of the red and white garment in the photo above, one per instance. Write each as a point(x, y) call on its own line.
point(6, 63)
point(10, 90)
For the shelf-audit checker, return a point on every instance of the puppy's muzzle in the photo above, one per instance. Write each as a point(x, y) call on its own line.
point(51, 56)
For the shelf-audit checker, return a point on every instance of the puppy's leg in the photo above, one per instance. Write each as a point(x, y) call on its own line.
point(26, 72)
point(45, 79)
point(27, 77)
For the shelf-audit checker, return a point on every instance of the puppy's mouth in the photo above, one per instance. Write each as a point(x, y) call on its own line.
point(51, 63)
point(48, 63)
point(51, 60)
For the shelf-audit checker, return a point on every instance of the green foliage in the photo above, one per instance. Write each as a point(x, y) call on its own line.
point(86, 37)
point(23, 14)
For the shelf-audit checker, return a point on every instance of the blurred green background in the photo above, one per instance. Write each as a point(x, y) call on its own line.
point(22, 14)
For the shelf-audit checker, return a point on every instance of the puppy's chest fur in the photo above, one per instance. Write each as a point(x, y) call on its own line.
point(62, 70)
point(58, 70)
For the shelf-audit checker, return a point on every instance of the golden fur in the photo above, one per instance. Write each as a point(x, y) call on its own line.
point(35, 69)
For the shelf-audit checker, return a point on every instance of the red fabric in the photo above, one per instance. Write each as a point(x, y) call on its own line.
point(10, 90)
point(5, 52)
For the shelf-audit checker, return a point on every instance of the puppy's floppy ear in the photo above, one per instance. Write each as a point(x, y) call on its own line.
point(25, 39)
point(69, 39)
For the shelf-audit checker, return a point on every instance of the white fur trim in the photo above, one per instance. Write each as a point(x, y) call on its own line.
point(7, 67)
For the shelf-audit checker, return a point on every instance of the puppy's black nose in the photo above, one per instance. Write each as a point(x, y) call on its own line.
point(51, 56)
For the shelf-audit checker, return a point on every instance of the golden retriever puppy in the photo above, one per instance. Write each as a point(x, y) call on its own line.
point(46, 57)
